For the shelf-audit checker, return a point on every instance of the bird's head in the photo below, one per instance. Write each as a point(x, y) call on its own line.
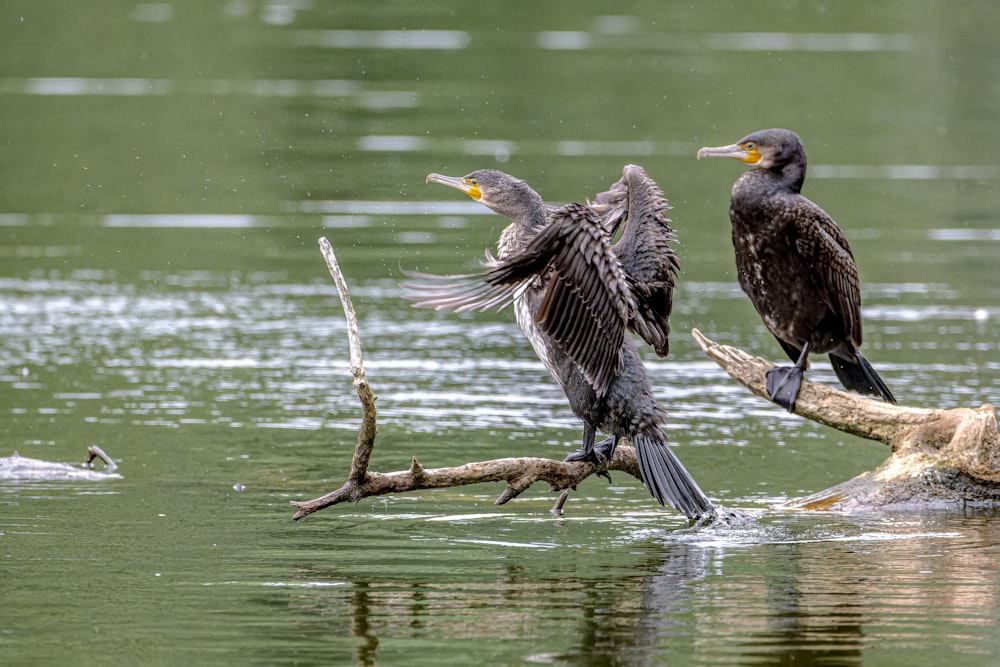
point(500, 192)
point(764, 149)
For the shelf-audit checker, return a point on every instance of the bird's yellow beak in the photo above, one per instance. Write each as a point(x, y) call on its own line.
point(464, 184)
point(745, 152)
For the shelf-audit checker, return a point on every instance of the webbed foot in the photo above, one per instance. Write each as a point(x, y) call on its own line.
point(599, 454)
point(783, 385)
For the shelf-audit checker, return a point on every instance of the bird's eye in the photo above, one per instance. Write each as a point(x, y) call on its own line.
point(751, 145)
point(472, 181)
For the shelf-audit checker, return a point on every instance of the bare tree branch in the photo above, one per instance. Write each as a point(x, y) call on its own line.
point(518, 473)
point(366, 434)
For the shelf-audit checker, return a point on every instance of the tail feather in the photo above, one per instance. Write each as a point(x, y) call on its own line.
point(665, 476)
point(858, 375)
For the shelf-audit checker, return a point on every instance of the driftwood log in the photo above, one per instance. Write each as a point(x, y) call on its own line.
point(17, 467)
point(939, 457)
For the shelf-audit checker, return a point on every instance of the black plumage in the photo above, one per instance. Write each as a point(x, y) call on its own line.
point(795, 264)
point(576, 295)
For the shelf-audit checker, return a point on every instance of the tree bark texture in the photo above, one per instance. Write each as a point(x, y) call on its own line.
point(940, 457)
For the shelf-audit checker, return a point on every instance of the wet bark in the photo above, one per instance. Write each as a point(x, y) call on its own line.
point(94, 452)
point(939, 457)
point(517, 473)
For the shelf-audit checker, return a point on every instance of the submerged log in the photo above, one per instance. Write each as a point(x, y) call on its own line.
point(940, 457)
point(22, 468)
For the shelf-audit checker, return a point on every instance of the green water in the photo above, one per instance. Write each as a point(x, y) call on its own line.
point(166, 171)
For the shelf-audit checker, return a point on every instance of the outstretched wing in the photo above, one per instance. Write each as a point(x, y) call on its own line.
point(462, 292)
point(586, 301)
point(584, 296)
point(646, 255)
point(823, 246)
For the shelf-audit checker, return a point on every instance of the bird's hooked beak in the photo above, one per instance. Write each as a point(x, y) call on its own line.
point(744, 152)
point(463, 184)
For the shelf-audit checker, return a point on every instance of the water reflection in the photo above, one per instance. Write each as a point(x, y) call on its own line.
point(728, 41)
point(964, 234)
point(775, 593)
point(907, 172)
point(229, 221)
point(384, 208)
point(382, 39)
point(800, 41)
point(77, 86)
point(356, 90)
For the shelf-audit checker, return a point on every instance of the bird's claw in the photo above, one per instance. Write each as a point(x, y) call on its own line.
point(783, 386)
point(590, 455)
point(599, 454)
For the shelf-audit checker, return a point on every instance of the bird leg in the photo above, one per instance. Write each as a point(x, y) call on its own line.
point(606, 448)
point(783, 383)
point(603, 451)
point(598, 454)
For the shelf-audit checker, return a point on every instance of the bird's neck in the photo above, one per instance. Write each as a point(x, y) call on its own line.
point(768, 182)
point(794, 175)
point(521, 230)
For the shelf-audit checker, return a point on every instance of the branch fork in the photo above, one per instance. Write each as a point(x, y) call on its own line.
point(518, 473)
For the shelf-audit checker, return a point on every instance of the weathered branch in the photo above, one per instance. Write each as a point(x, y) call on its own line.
point(939, 456)
point(518, 473)
point(366, 434)
point(358, 478)
point(17, 467)
point(95, 452)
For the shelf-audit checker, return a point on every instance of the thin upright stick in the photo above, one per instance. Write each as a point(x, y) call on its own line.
point(366, 432)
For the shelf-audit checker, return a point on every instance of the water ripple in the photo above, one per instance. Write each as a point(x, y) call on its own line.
point(447, 40)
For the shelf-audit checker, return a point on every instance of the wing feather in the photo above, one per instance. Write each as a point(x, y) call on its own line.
point(645, 253)
point(585, 301)
point(823, 246)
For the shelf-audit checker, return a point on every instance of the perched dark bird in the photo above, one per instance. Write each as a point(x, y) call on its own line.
point(576, 295)
point(794, 263)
